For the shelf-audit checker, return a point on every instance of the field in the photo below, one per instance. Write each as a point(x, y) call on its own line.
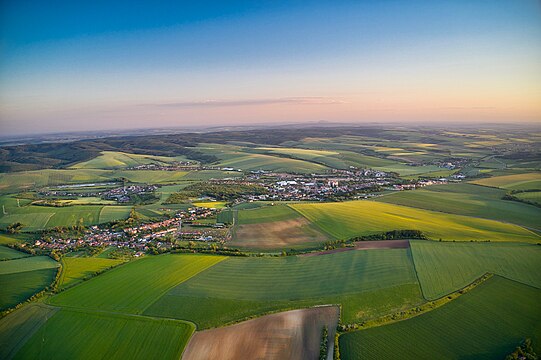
point(117, 160)
point(75, 269)
point(111, 213)
point(23, 277)
point(235, 157)
point(19, 326)
point(485, 323)
point(10, 254)
point(445, 267)
point(513, 182)
point(532, 196)
point(353, 218)
point(366, 283)
point(299, 337)
point(71, 334)
point(468, 199)
point(273, 227)
point(131, 288)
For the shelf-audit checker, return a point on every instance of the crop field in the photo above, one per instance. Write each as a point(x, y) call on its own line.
point(445, 267)
point(486, 323)
point(23, 277)
point(117, 160)
point(365, 282)
point(300, 337)
point(131, 288)
point(513, 182)
point(111, 213)
point(353, 218)
point(471, 200)
point(9, 254)
point(71, 334)
point(210, 204)
point(75, 269)
point(234, 157)
point(533, 196)
point(19, 326)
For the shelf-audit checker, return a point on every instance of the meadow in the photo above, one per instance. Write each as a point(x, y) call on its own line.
point(75, 269)
point(10, 254)
point(118, 160)
point(470, 200)
point(366, 283)
point(488, 322)
point(513, 182)
point(133, 287)
point(353, 218)
point(446, 267)
point(95, 335)
point(23, 277)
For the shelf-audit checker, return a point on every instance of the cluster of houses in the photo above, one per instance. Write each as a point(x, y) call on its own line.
point(184, 225)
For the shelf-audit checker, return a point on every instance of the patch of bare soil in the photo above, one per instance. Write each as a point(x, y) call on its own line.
point(291, 335)
point(366, 245)
point(277, 234)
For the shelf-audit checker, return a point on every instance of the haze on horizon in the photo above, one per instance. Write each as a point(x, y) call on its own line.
point(66, 66)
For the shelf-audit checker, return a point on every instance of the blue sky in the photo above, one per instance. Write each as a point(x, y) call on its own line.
point(67, 66)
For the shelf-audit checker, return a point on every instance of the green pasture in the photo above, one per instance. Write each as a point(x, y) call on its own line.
point(10, 254)
point(533, 196)
point(27, 264)
point(486, 323)
point(468, 199)
point(444, 267)
point(513, 182)
point(366, 283)
point(116, 160)
point(19, 286)
point(112, 213)
point(279, 212)
point(133, 287)
point(19, 326)
point(74, 334)
point(75, 269)
point(353, 218)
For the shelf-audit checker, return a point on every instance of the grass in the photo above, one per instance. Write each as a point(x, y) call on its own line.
point(72, 334)
point(485, 323)
point(133, 287)
point(513, 182)
point(470, 200)
point(27, 264)
point(446, 267)
point(19, 286)
point(75, 269)
point(353, 218)
point(116, 160)
point(111, 213)
point(365, 282)
point(266, 214)
point(19, 326)
point(533, 196)
point(9, 254)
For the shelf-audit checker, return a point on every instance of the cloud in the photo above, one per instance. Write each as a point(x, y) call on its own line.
point(253, 102)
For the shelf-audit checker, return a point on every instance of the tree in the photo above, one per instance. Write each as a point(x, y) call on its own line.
point(14, 228)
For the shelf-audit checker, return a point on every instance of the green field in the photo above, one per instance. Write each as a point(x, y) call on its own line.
point(468, 199)
point(445, 267)
point(75, 269)
point(19, 326)
point(485, 323)
point(532, 196)
point(133, 287)
point(117, 160)
point(73, 334)
point(513, 182)
point(111, 213)
point(21, 278)
point(265, 214)
point(366, 283)
point(9, 254)
point(353, 218)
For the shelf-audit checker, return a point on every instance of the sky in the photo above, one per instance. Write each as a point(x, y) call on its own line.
point(100, 65)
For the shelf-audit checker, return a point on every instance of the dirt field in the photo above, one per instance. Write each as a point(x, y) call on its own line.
point(288, 335)
point(365, 245)
point(277, 234)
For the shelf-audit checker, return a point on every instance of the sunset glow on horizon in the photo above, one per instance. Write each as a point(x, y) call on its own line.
point(123, 66)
